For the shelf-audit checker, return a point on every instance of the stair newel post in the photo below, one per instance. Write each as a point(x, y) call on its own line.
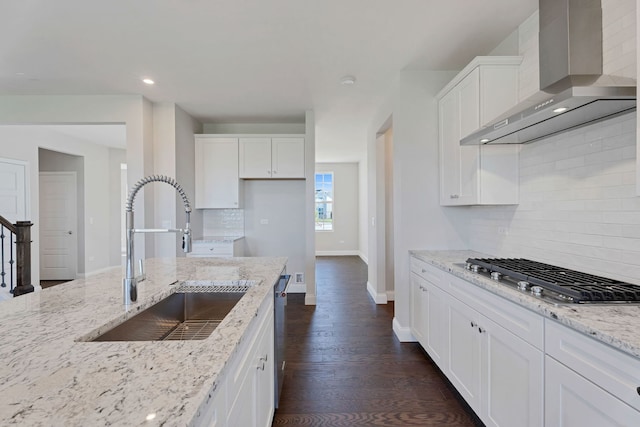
point(23, 258)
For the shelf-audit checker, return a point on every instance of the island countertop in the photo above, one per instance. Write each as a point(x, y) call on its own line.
point(613, 324)
point(50, 377)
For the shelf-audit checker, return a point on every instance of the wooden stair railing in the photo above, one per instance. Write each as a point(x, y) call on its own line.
point(22, 232)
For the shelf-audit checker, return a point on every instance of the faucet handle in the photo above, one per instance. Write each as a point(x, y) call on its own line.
point(186, 242)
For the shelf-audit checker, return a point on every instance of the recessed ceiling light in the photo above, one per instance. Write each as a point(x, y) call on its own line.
point(348, 80)
point(560, 110)
point(148, 81)
point(483, 140)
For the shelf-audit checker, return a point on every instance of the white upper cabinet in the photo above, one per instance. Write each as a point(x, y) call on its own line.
point(272, 157)
point(477, 175)
point(216, 172)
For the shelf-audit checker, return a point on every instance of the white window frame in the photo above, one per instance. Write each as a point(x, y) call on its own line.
point(332, 202)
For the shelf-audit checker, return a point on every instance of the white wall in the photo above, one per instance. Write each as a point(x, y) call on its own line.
point(419, 220)
point(343, 239)
point(281, 203)
point(133, 111)
point(22, 143)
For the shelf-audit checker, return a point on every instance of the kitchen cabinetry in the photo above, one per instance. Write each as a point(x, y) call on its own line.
point(479, 174)
point(272, 157)
point(587, 382)
point(250, 383)
point(498, 374)
point(428, 311)
point(489, 348)
point(232, 247)
point(216, 173)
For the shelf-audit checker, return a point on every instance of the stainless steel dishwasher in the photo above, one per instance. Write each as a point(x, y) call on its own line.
point(280, 332)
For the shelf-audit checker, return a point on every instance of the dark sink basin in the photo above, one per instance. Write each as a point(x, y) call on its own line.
point(180, 316)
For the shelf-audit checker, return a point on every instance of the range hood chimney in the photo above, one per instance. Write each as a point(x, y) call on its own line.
point(573, 90)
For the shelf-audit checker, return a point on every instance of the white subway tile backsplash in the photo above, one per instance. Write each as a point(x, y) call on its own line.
point(578, 205)
point(223, 222)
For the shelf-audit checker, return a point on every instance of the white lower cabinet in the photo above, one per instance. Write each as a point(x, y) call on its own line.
point(573, 401)
point(588, 382)
point(245, 393)
point(253, 404)
point(499, 374)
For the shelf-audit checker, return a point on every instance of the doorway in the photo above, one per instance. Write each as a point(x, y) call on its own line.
point(58, 225)
point(384, 213)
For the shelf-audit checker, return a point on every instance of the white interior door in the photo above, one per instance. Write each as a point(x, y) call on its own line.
point(13, 190)
point(58, 226)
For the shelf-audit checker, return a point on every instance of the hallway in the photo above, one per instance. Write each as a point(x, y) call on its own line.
point(346, 368)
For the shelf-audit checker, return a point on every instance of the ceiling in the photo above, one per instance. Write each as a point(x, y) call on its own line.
point(248, 61)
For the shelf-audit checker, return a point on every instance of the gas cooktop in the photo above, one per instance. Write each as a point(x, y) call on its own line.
point(555, 284)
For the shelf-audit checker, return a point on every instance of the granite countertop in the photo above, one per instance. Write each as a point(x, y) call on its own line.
point(218, 239)
point(50, 378)
point(613, 324)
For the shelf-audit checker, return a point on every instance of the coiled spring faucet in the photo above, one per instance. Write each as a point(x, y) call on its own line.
point(130, 281)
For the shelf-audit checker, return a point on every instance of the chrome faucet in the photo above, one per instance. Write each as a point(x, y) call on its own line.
point(130, 281)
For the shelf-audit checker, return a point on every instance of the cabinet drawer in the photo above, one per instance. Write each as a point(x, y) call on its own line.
point(614, 371)
point(426, 271)
point(525, 324)
point(212, 249)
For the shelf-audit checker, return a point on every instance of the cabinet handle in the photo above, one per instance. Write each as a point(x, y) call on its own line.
point(638, 390)
point(473, 324)
point(424, 271)
point(262, 363)
point(480, 330)
point(454, 196)
point(275, 172)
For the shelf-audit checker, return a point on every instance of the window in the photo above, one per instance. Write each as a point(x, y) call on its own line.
point(324, 201)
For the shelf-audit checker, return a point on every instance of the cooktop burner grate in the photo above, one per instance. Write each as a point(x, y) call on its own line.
point(582, 287)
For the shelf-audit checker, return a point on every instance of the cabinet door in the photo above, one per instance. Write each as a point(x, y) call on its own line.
point(469, 95)
point(216, 173)
point(573, 401)
point(449, 144)
point(265, 372)
point(418, 313)
point(498, 91)
point(512, 379)
point(255, 158)
point(435, 307)
point(287, 157)
point(464, 351)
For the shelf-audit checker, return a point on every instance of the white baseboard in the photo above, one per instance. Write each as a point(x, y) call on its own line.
point(309, 299)
point(402, 333)
point(378, 298)
point(297, 288)
point(391, 295)
point(363, 257)
point(337, 253)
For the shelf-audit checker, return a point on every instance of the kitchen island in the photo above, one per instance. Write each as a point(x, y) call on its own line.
point(51, 376)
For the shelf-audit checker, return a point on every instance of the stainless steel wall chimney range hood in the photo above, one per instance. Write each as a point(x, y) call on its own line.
point(573, 90)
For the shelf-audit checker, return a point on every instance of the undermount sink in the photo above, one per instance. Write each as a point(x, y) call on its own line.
point(180, 316)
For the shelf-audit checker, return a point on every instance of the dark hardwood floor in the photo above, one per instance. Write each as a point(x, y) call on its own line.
point(345, 366)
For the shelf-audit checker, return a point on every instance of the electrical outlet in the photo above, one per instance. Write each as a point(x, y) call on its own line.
point(299, 277)
point(264, 221)
point(504, 231)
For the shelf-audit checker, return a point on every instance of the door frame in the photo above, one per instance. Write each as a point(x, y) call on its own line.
point(76, 245)
point(27, 185)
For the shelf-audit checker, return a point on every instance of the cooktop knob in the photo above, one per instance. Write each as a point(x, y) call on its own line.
point(523, 285)
point(475, 268)
point(536, 290)
point(495, 275)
